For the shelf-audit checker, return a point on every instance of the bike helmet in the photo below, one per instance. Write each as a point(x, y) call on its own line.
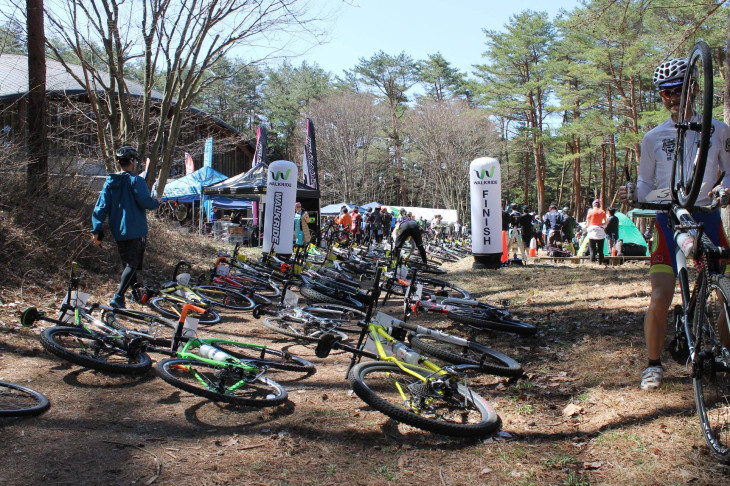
point(566, 209)
point(128, 153)
point(670, 73)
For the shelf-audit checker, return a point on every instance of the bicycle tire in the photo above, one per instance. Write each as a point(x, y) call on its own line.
point(316, 296)
point(272, 358)
point(305, 330)
point(21, 401)
point(491, 319)
point(441, 288)
point(82, 348)
point(189, 375)
point(172, 308)
point(261, 286)
point(322, 319)
point(156, 329)
point(690, 154)
point(711, 367)
point(225, 297)
point(494, 362)
point(454, 410)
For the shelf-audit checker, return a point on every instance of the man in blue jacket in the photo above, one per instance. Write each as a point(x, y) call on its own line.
point(124, 199)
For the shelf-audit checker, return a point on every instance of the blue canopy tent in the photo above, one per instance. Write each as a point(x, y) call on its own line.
point(189, 188)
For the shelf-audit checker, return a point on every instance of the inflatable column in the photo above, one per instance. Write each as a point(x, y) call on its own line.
point(281, 196)
point(485, 181)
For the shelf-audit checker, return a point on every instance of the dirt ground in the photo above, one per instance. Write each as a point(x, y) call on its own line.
point(577, 417)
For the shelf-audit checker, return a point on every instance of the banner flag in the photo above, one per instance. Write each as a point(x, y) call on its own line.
point(259, 155)
point(208, 153)
point(309, 163)
point(189, 164)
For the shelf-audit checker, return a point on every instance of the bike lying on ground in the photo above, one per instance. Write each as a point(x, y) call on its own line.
point(410, 388)
point(218, 369)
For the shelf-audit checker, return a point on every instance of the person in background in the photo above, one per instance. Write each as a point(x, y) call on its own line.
point(302, 236)
point(595, 229)
point(344, 219)
point(612, 229)
point(408, 229)
point(124, 199)
point(356, 225)
point(554, 223)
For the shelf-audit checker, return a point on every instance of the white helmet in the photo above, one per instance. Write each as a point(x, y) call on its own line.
point(670, 73)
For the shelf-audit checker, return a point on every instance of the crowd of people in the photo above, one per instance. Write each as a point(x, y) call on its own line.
point(559, 234)
point(378, 224)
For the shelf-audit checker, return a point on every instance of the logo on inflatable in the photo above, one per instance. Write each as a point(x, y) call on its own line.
point(281, 175)
point(488, 172)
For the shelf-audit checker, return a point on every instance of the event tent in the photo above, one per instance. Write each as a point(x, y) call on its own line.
point(253, 184)
point(188, 188)
point(335, 208)
point(448, 215)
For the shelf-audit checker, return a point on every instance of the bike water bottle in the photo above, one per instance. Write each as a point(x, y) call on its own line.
point(188, 331)
point(211, 352)
point(401, 351)
point(686, 243)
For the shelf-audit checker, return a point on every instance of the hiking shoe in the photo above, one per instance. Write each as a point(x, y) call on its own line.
point(118, 302)
point(652, 378)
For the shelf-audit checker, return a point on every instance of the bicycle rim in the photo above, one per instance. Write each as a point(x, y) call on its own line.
point(20, 401)
point(229, 384)
point(694, 127)
point(225, 297)
point(440, 406)
point(711, 368)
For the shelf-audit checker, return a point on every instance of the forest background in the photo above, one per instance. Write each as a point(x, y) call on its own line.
point(563, 103)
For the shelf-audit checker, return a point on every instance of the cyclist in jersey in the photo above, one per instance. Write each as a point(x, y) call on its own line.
point(655, 172)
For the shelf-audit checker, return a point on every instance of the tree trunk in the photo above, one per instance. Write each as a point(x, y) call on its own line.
point(36, 106)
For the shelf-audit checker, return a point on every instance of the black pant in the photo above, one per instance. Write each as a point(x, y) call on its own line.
point(596, 247)
point(410, 230)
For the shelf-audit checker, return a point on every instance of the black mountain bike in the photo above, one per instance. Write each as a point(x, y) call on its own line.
point(702, 331)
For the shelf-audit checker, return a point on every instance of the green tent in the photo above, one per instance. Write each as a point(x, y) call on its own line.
point(627, 231)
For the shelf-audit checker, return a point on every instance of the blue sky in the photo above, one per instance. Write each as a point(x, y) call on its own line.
point(419, 27)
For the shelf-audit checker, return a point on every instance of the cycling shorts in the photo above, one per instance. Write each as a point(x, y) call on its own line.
point(132, 252)
point(663, 258)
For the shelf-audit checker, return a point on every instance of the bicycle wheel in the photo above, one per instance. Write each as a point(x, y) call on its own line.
point(227, 298)
point(305, 329)
point(438, 405)
point(172, 308)
point(20, 401)
point(490, 318)
point(434, 287)
point(311, 322)
point(711, 367)
point(154, 328)
point(267, 288)
point(317, 296)
point(694, 127)
point(488, 360)
point(272, 358)
point(230, 384)
point(83, 348)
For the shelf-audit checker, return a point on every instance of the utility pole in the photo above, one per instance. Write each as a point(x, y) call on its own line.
point(37, 144)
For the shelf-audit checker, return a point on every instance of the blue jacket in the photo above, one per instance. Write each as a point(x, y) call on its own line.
point(124, 199)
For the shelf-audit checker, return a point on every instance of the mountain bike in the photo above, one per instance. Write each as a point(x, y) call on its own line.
point(21, 401)
point(407, 386)
point(701, 321)
point(177, 293)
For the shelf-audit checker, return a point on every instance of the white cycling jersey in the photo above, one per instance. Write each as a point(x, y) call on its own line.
point(657, 158)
